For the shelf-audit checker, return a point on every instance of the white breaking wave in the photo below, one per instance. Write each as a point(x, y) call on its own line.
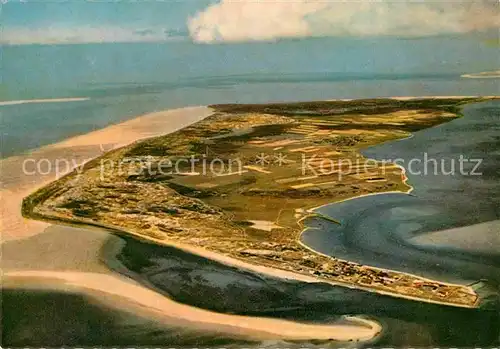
point(267, 20)
point(47, 100)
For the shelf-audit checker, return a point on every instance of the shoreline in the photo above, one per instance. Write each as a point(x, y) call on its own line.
point(312, 210)
point(16, 183)
point(154, 305)
point(493, 74)
point(81, 141)
point(17, 228)
point(44, 100)
point(237, 263)
point(279, 272)
point(115, 276)
point(430, 235)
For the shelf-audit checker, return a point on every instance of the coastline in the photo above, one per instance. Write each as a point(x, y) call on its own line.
point(311, 213)
point(272, 269)
point(16, 183)
point(494, 74)
point(117, 288)
point(262, 269)
point(152, 304)
point(82, 141)
point(441, 245)
point(44, 100)
point(312, 210)
point(86, 148)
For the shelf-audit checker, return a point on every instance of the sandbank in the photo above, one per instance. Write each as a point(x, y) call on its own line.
point(47, 100)
point(16, 183)
point(160, 307)
point(20, 176)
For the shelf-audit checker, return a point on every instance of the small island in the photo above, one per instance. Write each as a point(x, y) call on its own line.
point(495, 74)
point(242, 182)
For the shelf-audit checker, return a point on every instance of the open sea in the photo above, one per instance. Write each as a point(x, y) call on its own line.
point(50, 93)
point(121, 81)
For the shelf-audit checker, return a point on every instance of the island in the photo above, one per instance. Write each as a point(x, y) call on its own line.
point(495, 74)
point(242, 183)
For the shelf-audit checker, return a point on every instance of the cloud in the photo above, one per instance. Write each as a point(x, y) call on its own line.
point(85, 34)
point(267, 20)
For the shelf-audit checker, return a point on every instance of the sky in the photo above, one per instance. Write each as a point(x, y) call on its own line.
point(75, 21)
point(215, 21)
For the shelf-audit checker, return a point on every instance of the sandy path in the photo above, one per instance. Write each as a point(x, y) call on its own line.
point(160, 307)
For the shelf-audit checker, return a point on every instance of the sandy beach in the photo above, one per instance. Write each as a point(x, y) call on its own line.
point(24, 174)
point(39, 255)
point(495, 74)
point(269, 271)
point(48, 100)
point(163, 309)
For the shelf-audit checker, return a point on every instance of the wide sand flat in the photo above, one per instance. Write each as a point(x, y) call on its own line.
point(61, 248)
point(161, 307)
point(47, 100)
point(483, 237)
point(495, 74)
point(20, 175)
point(38, 255)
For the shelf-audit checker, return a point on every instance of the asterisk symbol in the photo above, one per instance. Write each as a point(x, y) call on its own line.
point(262, 159)
point(280, 159)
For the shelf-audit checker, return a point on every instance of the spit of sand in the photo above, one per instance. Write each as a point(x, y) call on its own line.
point(68, 259)
point(21, 175)
point(159, 307)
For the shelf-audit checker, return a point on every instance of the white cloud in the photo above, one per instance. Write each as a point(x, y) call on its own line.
point(86, 34)
point(264, 20)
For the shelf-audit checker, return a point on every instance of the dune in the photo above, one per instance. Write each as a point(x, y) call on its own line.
point(85, 273)
point(161, 308)
point(21, 175)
